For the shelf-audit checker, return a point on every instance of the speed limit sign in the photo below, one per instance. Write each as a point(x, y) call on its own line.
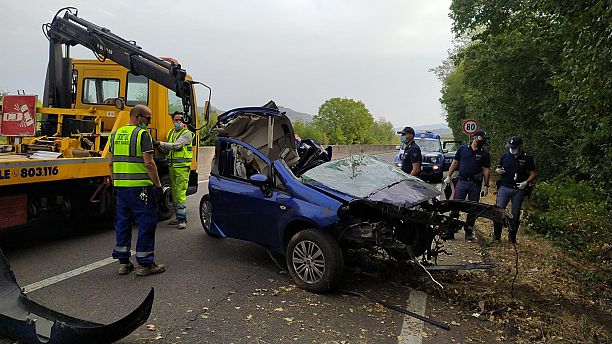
point(470, 126)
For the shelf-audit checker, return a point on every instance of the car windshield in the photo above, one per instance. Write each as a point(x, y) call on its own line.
point(358, 175)
point(428, 145)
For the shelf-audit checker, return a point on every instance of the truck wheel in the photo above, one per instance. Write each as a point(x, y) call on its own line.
point(206, 216)
point(314, 260)
point(165, 205)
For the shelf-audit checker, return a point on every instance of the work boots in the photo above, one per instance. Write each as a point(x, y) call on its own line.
point(497, 231)
point(146, 270)
point(512, 236)
point(125, 269)
point(469, 233)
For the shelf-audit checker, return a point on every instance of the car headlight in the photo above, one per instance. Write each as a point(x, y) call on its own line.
point(434, 159)
point(398, 164)
point(436, 167)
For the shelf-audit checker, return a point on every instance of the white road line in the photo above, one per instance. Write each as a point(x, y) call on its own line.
point(202, 181)
point(66, 275)
point(411, 327)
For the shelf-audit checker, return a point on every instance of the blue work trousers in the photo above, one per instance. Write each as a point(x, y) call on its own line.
point(134, 206)
point(505, 195)
point(471, 189)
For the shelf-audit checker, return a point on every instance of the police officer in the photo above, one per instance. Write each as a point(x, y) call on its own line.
point(411, 163)
point(135, 177)
point(473, 163)
point(179, 148)
point(517, 171)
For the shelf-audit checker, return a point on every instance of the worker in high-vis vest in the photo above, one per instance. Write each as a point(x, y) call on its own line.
point(135, 179)
point(178, 146)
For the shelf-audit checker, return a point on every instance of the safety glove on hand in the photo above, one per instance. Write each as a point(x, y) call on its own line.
point(447, 180)
point(484, 191)
point(522, 185)
point(500, 170)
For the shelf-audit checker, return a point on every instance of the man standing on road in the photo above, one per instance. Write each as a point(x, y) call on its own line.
point(179, 149)
point(473, 163)
point(135, 177)
point(411, 163)
point(517, 171)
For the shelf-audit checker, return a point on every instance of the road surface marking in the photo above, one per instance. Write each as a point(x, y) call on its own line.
point(66, 275)
point(411, 327)
point(202, 181)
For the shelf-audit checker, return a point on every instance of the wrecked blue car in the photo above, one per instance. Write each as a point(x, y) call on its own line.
point(308, 207)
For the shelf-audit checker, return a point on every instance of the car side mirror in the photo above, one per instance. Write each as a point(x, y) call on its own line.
point(258, 179)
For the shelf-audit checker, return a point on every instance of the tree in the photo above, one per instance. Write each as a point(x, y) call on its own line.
point(308, 130)
point(344, 121)
point(382, 132)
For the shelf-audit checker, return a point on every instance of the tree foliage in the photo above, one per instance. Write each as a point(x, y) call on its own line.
point(541, 69)
point(345, 121)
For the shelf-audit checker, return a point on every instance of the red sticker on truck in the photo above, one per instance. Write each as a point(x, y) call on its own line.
point(18, 116)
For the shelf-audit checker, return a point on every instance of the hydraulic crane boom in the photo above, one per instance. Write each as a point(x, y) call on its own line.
point(70, 30)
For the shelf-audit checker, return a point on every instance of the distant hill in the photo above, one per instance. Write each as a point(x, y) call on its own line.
point(441, 129)
point(294, 115)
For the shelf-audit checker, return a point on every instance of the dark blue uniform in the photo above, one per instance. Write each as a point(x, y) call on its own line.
point(517, 169)
point(412, 154)
point(471, 163)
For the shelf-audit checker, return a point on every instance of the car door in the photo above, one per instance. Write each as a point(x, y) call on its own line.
point(240, 209)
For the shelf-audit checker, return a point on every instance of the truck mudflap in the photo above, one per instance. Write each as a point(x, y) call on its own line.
point(27, 321)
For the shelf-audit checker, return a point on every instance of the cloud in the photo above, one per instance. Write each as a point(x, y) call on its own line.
point(299, 52)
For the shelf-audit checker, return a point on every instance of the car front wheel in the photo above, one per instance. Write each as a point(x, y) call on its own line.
point(314, 260)
point(206, 215)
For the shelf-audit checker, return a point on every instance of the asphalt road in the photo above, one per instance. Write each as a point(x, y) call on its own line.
point(214, 290)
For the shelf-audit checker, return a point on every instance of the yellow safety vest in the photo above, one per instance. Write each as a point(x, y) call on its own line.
point(128, 164)
point(180, 158)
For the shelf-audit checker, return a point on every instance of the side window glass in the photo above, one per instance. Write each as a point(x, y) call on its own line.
point(278, 182)
point(137, 91)
point(240, 162)
point(174, 103)
point(100, 91)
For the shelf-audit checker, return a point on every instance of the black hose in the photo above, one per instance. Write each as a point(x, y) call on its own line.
point(516, 268)
point(398, 309)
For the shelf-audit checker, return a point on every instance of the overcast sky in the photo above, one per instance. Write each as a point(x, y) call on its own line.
point(297, 52)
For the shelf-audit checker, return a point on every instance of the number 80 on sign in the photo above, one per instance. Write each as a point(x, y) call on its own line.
point(469, 126)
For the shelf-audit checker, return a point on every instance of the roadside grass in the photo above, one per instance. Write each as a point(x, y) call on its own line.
point(557, 297)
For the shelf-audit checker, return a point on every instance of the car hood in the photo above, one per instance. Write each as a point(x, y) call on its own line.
point(367, 177)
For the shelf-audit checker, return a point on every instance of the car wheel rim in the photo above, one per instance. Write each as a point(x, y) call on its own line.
point(205, 214)
point(308, 261)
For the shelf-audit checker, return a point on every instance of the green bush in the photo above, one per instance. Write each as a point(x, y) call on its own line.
point(574, 215)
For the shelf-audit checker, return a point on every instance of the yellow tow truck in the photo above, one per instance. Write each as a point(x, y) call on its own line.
point(55, 156)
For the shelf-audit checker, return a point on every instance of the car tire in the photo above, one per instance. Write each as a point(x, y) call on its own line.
point(314, 260)
point(206, 215)
point(165, 205)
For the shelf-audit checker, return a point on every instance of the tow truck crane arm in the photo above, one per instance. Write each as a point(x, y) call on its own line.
point(71, 30)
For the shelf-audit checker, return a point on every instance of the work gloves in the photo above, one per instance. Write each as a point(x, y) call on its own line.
point(500, 170)
point(522, 185)
point(447, 180)
point(484, 191)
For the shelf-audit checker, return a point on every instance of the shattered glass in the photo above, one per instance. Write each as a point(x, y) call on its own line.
point(366, 176)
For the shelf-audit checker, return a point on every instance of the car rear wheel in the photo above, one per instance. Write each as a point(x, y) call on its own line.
point(206, 215)
point(314, 260)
